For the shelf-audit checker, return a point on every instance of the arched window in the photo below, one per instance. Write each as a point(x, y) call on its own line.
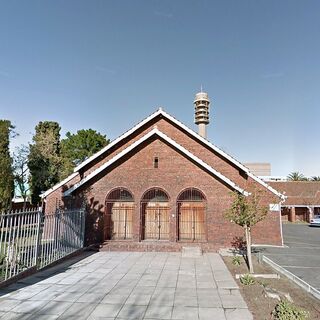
point(119, 212)
point(191, 215)
point(155, 215)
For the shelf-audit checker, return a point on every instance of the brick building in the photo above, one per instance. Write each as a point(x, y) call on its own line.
point(161, 186)
point(302, 199)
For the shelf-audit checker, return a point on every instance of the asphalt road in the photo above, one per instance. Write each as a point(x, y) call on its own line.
point(302, 256)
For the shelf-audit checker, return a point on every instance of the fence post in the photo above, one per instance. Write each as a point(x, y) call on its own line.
point(38, 244)
point(83, 226)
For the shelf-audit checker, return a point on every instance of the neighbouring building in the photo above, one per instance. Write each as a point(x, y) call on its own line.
point(259, 168)
point(161, 186)
point(302, 199)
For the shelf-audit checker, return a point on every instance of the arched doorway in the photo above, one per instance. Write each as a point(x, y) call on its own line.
point(119, 212)
point(191, 215)
point(155, 215)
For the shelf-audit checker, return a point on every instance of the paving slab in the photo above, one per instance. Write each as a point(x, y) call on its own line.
point(128, 285)
point(211, 313)
point(185, 313)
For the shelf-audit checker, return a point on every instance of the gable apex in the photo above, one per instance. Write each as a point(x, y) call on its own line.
point(164, 114)
point(173, 143)
point(213, 147)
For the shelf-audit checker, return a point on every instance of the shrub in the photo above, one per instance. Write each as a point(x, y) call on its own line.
point(247, 280)
point(285, 310)
point(236, 261)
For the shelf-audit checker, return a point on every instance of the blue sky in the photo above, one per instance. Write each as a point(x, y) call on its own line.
point(106, 65)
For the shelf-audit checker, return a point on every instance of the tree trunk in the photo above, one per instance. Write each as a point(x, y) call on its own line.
point(248, 242)
point(24, 204)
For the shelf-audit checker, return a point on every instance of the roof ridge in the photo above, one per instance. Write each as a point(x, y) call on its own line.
point(160, 111)
point(171, 142)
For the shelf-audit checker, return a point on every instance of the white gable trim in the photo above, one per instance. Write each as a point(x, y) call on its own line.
point(225, 155)
point(114, 142)
point(171, 142)
point(58, 185)
point(192, 133)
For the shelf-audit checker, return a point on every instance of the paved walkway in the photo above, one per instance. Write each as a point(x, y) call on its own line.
point(123, 285)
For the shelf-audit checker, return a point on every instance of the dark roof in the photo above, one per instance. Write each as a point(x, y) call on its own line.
point(299, 192)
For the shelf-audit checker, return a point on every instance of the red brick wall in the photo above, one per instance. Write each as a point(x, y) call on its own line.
point(175, 173)
point(189, 142)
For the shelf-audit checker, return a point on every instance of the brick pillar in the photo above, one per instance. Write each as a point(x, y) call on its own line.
point(173, 225)
point(292, 215)
point(311, 213)
point(136, 224)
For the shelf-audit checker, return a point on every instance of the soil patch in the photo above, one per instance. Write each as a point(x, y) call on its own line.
point(261, 306)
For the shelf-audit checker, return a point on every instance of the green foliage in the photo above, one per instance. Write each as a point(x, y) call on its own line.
point(285, 310)
point(76, 148)
point(296, 176)
point(315, 178)
point(44, 158)
point(6, 172)
point(263, 283)
point(236, 261)
point(247, 280)
point(21, 170)
point(246, 211)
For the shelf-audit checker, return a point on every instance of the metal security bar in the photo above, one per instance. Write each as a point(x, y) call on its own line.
point(155, 215)
point(119, 213)
point(155, 221)
point(18, 242)
point(31, 239)
point(191, 215)
point(61, 234)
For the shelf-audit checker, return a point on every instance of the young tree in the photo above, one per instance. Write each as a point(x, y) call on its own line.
point(6, 173)
point(44, 158)
point(246, 212)
point(76, 148)
point(21, 172)
point(296, 176)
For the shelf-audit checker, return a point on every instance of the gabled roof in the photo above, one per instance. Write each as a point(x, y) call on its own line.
point(192, 133)
point(58, 185)
point(171, 142)
point(299, 193)
point(183, 127)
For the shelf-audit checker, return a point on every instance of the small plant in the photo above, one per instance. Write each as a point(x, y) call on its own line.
point(247, 280)
point(236, 261)
point(285, 310)
point(263, 284)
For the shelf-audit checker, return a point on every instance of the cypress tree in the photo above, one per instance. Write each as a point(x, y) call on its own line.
point(44, 158)
point(6, 171)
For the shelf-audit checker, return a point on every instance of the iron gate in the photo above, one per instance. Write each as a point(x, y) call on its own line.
point(191, 215)
point(155, 215)
point(119, 214)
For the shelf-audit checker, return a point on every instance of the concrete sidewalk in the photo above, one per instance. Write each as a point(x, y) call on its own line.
point(128, 285)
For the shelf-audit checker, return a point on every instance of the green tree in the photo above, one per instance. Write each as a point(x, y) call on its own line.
point(21, 172)
point(44, 158)
point(315, 178)
point(76, 148)
point(6, 172)
point(296, 176)
point(247, 212)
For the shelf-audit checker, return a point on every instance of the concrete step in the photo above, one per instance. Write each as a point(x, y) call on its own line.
point(191, 252)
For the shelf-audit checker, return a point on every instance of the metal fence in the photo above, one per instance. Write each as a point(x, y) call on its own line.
point(32, 239)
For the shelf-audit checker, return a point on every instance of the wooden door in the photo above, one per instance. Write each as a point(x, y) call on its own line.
point(191, 222)
point(121, 220)
point(156, 221)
